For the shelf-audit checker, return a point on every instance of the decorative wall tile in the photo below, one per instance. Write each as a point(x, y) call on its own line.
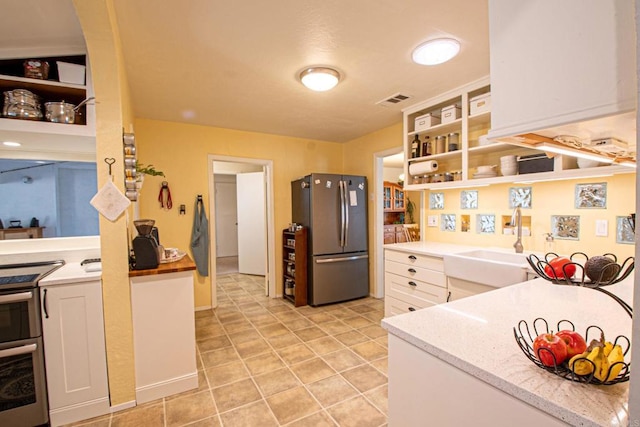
point(469, 199)
point(591, 195)
point(565, 227)
point(624, 231)
point(520, 196)
point(486, 224)
point(448, 222)
point(436, 200)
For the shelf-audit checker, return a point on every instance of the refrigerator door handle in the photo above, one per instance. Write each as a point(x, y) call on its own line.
point(342, 214)
point(350, 258)
point(346, 213)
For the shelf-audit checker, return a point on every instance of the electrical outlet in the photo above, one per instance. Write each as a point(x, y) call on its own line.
point(432, 220)
point(602, 227)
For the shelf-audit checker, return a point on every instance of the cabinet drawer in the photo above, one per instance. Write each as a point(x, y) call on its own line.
point(393, 306)
point(424, 261)
point(413, 291)
point(413, 272)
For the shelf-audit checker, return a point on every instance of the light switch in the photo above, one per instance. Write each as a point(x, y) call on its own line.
point(432, 220)
point(602, 227)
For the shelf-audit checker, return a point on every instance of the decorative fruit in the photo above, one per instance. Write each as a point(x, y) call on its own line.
point(556, 268)
point(574, 341)
point(599, 268)
point(616, 362)
point(550, 349)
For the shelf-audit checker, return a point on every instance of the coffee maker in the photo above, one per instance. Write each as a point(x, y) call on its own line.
point(145, 246)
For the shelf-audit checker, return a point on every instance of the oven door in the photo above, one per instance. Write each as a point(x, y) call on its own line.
point(19, 314)
point(23, 395)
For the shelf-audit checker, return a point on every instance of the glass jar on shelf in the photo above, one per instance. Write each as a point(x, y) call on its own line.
point(454, 141)
point(437, 177)
point(457, 175)
point(448, 177)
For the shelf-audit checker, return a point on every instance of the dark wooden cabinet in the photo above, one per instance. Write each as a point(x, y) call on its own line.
point(294, 269)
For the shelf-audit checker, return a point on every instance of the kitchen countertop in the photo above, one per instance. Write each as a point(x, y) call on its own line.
point(433, 248)
point(185, 264)
point(71, 272)
point(475, 334)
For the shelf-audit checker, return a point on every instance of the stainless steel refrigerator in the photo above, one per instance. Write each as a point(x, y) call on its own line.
point(334, 208)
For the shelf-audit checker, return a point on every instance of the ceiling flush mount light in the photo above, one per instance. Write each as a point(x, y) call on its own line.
point(319, 79)
point(11, 144)
point(436, 51)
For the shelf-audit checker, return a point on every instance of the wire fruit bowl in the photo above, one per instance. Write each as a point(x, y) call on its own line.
point(524, 338)
point(609, 275)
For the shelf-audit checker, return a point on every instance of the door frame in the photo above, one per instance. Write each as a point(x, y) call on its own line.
point(271, 245)
point(378, 222)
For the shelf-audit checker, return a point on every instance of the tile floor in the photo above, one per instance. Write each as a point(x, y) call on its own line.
point(262, 362)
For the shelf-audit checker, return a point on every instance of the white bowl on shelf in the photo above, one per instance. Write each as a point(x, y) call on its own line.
point(486, 169)
point(509, 171)
point(587, 163)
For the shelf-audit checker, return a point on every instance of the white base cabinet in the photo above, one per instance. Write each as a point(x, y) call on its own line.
point(75, 354)
point(424, 390)
point(412, 281)
point(164, 334)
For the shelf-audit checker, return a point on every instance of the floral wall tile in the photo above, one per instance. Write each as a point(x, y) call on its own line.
point(565, 227)
point(591, 195)
point(448, 222)
point(520, 196)
point(486, 224)
point(436, 200)
point(469, 199)
point(624, 231)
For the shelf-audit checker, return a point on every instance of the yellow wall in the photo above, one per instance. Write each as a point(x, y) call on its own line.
point(548, 198)
point(113, 112)
point(181, 150)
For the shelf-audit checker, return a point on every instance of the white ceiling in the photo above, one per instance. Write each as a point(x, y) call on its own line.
point(235, 64)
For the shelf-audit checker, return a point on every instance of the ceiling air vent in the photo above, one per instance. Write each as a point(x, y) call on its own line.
point(393, 100)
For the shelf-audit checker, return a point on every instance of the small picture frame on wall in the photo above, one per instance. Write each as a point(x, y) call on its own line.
point(469, 199)
point(520, 197)
point(591, 196)
point(436, 200)
point(565, 227)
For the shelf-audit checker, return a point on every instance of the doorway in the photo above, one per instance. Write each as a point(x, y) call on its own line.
point(241, 202)
point(388, 166)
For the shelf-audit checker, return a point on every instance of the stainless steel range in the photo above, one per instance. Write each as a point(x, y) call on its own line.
point(23, 393)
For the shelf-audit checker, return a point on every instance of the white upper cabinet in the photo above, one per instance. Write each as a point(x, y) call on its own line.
point(557, 63)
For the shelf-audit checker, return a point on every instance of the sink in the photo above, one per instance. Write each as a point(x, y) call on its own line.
point(487, 267)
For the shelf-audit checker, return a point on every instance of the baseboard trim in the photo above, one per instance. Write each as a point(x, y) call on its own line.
point(203, 308)
point(81, 411)
point(123, 406)
point(176, 385)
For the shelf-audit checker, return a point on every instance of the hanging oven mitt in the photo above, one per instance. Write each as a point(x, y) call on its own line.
point(110, 202)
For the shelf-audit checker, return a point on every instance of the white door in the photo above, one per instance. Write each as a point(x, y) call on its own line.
point(226, 220)
point(252, 227)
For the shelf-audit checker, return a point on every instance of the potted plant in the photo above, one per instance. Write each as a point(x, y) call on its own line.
point(142, 170)
point(410, 207)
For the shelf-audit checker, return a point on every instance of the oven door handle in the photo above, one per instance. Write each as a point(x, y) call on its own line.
point(17, 351)
point(21, 296)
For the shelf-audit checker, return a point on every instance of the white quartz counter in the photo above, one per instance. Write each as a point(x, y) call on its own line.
point(476, 335)
point(71, 272)
point(431, 248)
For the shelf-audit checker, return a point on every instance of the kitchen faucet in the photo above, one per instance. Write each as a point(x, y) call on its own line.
point(517, 219)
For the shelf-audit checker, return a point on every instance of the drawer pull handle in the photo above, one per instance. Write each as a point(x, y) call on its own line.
point(449, 296)
point(413, 284)
point(412, 257)
point(412, 309)
point(411, 270)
